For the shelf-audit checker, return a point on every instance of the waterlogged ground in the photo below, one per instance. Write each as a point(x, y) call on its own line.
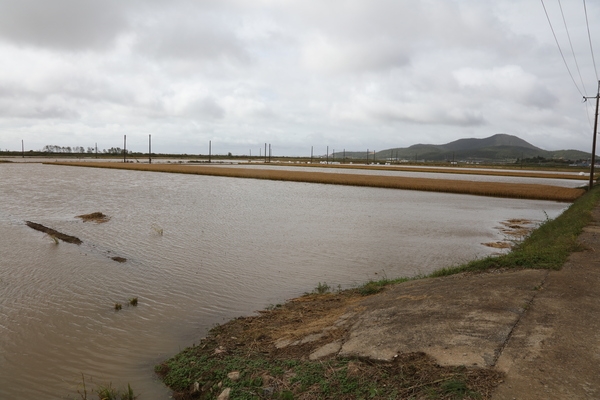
point(228, 247)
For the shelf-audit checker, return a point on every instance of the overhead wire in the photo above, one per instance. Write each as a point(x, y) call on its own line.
point(590, 39)
point(571, 44)
point(587, 24)
point(560, 50)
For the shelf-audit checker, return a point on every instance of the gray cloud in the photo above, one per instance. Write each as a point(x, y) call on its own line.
point(62, 24)
point(360, 73)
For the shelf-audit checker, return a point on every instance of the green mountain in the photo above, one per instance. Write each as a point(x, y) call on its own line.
point(499, 147)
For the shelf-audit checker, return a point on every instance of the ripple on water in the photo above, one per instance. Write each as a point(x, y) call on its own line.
point(229, 247)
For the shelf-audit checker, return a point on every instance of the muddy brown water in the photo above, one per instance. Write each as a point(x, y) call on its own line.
point(228, 247)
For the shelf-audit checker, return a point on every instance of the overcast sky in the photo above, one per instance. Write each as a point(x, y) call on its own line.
point(352, 74)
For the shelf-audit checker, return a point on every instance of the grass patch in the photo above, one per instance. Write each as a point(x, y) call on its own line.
point(322, 288)
point(196, 373)
point(374, 287)
point(105, 392)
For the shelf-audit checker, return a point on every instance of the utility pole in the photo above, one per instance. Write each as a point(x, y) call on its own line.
point(124, 148)
point(209, 150)
point(594, 140)
point(149, 149)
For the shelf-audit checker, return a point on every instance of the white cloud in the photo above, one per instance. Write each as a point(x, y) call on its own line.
point(358, 73)
point(509, 82)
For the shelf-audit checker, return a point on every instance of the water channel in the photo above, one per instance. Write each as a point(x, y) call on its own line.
point(228, 247)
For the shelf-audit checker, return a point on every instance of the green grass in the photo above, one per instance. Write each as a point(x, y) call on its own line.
point(262, 378)
point(105, 392)
point(374, 287)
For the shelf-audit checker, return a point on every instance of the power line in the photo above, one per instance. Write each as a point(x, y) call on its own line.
point(571, 44)
point(560, 50)
point(590, 40)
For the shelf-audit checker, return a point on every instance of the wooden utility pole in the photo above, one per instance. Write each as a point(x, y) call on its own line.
point(149, 149)
point(124, 148)
point(591, 184)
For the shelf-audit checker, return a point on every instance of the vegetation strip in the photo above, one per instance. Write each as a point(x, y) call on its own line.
point(53, 233)
point(493, 189)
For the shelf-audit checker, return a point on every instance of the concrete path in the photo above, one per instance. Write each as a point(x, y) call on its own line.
point(554, 351)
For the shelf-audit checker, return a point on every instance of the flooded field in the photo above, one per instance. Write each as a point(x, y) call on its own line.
point(199, 250)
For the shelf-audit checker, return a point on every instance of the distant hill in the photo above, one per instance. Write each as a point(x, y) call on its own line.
point(499, 147)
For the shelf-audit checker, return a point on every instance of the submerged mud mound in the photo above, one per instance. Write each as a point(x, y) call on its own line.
point(97, 217)
point(53, 233)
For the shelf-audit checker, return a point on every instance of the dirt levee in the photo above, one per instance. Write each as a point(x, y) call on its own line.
point(54, 233)
point(493, 189)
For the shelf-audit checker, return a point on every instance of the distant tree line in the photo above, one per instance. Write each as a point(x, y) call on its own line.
point(544, 160)
point(80, 149)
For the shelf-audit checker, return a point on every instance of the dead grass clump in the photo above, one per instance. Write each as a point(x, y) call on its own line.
point(517, 228)
point(494, 189)
point(498, 245)
point(96, 217)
